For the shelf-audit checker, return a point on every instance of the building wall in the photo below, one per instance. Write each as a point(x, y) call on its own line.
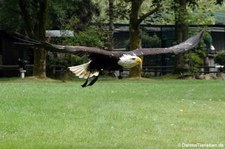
point(167, 34)
point(0, 59)
point(0, 50)
point(9, 57)
point(218, 40)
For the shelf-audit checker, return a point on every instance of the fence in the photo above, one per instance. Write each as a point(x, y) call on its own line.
point(13, 70)
point(156, 70)
point(147, 70)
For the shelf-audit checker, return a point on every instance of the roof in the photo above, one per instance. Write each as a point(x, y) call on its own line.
point(59, 33)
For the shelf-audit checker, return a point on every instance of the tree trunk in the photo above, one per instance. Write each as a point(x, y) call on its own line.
point(181, 32)
point(111, 26)
point(180, 20)
point(39, 69)
point(35, 19)
point(135, 42)
point(135, 34)
point(40, 55)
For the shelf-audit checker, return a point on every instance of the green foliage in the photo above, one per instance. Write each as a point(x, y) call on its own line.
point(9, 18)
point(77, 15)
point(77, 60)
point(150, 41)
point(67, 60)
point(207, 40)
point(200, 17)
point(219, 17)
point(193, 61)
point(195, 58)
point(200, 11)
point(220, 1)
point(220, 58)
point(92, 37)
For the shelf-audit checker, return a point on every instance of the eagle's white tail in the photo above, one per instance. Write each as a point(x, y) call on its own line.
point(82, 71)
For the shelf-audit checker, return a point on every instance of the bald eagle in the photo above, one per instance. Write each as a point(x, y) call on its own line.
point(107, 60)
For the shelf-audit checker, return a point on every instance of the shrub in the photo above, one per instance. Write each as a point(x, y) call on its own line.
point(220, 57)
point(193, 61)
point(92, 37)
point(150, 41)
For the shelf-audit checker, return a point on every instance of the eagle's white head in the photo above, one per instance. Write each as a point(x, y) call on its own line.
point(129, 61)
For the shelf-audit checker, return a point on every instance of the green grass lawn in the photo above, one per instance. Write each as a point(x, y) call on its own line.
point(113, 113)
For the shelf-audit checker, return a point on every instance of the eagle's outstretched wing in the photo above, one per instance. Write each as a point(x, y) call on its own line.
point(180, 48)
point(21, 40)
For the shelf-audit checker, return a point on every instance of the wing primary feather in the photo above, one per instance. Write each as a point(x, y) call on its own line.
point(189, 44)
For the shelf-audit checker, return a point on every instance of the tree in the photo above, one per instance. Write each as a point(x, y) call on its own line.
point(180, 9)
point(34, 14)
point(111, 26)
point(9, 9)
point(181, 23)
point(220, 58)
point(135, 33)
point(219, 2)
point(71, 14)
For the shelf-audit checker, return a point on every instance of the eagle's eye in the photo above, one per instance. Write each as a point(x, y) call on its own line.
point(133, 58)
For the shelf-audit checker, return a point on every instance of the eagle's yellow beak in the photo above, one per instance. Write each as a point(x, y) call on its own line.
point(138, 60)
